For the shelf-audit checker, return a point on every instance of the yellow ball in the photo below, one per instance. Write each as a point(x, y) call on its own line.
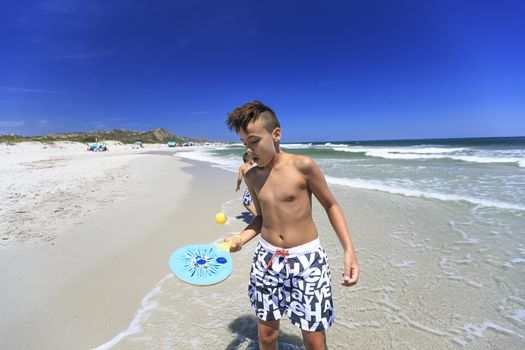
point(221, 218)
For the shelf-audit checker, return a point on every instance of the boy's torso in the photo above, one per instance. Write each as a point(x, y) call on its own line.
point(286, 203)
point(245, 168)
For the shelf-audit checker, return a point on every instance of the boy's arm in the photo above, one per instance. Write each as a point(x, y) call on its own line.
point(319, 187)
point(239, 179)
point(254, 227)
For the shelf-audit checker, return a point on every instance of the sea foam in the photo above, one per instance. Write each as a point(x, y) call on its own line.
point(409, 153)
point(378, 186)
point(146, 307)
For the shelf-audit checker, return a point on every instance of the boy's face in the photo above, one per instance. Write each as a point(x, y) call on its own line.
point(260, 143)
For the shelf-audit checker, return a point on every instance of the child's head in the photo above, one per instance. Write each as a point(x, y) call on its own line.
point(252, 112)
point(259, 130)
point(246, 157)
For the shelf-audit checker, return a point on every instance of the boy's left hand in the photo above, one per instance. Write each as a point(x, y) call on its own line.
point(351, 273)
point(236, 243)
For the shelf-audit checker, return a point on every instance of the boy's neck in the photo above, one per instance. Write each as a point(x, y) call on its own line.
point(276, 160)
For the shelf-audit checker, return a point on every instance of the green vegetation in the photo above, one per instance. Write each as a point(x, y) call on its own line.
point(158, 135)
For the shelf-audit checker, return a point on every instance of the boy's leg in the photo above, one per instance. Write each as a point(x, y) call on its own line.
point(268, 334)
point(314, 340)
point(316, 315)
point(251, 209)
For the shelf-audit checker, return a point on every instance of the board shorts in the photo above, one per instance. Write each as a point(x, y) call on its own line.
point(247, 197)
point(295, 281)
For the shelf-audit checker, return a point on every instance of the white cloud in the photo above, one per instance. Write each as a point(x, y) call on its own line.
point(99, 125)
point(9, 102)
point(81, 56)
point(201, 112)
point(65, 7)
point(11, 123)
point(17, 89)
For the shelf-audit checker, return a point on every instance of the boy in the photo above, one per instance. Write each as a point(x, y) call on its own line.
point(289, 270)
point(246, 197)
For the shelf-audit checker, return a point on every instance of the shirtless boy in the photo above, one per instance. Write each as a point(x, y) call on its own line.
point(290, 273)
point(246, 197)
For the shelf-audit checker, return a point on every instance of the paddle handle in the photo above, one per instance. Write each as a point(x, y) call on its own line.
point(224, 245)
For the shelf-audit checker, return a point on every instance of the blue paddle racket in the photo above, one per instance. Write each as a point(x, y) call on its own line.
point(202, 264)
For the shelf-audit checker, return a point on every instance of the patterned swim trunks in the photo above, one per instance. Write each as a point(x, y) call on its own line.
point(295, 281)
point(247, 197)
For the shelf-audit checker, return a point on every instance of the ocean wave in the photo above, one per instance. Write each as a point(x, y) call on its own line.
point(378, 186)
point(484, 157)
point(147, 305)
point(398, 150)
point(464, 158)
point(477, 159)
point(329, 144)
point(229, 163)
point(296, 145)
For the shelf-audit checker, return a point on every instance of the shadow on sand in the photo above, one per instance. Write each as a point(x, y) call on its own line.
point(244, 328)
point(245, 216)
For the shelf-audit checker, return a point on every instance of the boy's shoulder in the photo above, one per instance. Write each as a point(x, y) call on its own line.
point(303, 163)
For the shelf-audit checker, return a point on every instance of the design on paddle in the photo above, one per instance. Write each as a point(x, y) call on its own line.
point(203, 262)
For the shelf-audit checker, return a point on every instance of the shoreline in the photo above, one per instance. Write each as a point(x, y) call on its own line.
point(421, 259)
point(72, 282)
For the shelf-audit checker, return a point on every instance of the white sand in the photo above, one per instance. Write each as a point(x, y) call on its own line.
point(71, 215)
point(60, 180)
point(88, 237)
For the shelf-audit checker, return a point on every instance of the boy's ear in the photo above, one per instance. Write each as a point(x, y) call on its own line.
point(276, 134)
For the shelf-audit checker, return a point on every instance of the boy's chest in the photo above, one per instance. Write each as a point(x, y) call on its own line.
point(246, 168)
point(280, 186)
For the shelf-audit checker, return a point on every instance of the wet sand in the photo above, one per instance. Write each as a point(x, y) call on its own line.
point(427, 282)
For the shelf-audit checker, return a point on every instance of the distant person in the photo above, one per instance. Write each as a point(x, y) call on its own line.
point(246, 197)
point(289, 273)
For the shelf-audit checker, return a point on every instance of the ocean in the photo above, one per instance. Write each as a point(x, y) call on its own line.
point(489, 172)
point(439, 230)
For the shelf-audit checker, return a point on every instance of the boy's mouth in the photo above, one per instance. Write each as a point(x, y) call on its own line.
point(255, 159)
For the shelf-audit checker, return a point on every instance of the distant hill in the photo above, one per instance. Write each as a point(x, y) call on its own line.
point(157, 135)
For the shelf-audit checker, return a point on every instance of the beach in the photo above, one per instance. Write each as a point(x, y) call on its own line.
point(86, 238)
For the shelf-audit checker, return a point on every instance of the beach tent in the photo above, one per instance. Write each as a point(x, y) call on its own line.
point(97, 147)
point(172, 144)
point(137, 144)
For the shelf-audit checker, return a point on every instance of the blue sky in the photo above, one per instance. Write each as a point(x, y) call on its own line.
point(331, 70)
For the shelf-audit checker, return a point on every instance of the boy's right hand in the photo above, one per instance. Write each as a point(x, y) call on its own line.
point(236, 243)
point(351, 272)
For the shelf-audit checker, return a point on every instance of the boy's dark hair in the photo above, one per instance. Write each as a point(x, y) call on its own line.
point(251, 112)
point(246, 157)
